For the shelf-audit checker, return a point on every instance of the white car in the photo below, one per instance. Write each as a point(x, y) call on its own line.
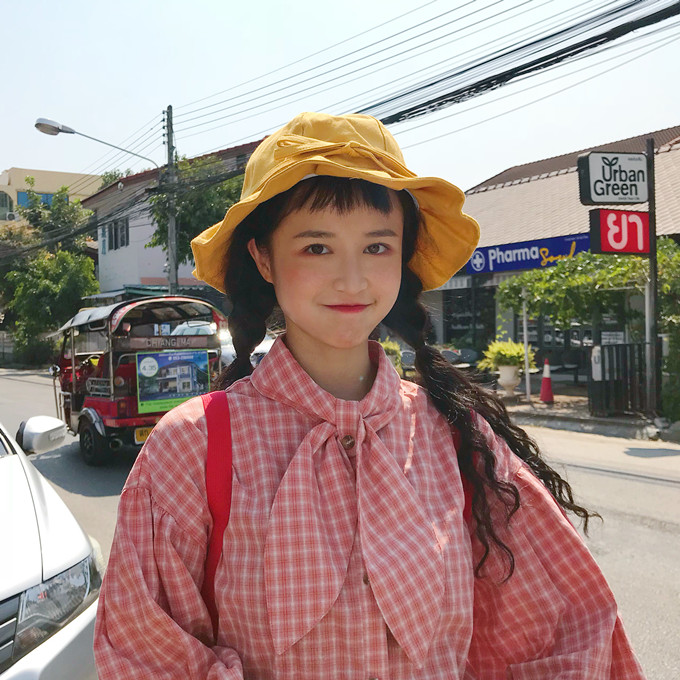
point(50, 571)
point(226, 343)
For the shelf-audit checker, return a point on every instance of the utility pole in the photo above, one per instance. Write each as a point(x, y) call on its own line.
point(651, 330)
point(172, 227)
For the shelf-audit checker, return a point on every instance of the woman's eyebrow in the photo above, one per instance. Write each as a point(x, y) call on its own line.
point(311, 233)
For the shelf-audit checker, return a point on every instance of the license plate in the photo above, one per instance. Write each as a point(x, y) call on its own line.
point(141, 434)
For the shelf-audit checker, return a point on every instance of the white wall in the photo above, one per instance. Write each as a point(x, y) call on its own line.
point(135, 264)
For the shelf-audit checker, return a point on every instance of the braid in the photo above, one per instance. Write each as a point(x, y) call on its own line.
point(456, 397)
point(253, 301)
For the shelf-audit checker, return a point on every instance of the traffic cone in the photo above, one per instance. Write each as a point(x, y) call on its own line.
point(546, 385)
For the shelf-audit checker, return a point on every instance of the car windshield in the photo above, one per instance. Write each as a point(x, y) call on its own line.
point(195, 328)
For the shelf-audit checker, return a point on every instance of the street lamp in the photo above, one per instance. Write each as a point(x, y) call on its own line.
point(51, 127)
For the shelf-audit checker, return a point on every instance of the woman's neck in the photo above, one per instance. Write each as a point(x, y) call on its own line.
point(345, 373)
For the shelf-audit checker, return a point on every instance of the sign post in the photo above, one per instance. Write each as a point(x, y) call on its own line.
point(619, 177)
point(651, 324)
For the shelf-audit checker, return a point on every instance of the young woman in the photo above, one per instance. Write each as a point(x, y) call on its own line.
point(378, 528)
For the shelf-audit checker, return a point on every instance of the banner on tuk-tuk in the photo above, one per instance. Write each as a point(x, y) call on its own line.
point(166, 379)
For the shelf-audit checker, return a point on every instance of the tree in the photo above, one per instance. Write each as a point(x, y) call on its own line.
point(202, 197)
point(62, 224)
point(32, 289)
point(47, 293)
point(111, 176)
point(582, 287)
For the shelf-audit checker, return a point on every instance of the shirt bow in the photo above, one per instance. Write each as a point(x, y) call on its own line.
point(319, 506)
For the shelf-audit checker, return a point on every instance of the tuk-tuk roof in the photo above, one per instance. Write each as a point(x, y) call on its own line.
point(158, 310)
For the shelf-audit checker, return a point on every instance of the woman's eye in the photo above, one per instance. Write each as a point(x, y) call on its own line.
point(376, 248)
point(317, 249)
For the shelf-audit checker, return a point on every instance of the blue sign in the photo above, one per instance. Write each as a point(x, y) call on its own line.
point(527, 254)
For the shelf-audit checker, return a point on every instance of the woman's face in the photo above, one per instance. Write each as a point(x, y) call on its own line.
point(336, 276)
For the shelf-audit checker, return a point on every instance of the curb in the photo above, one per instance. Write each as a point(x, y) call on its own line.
point(633, 429)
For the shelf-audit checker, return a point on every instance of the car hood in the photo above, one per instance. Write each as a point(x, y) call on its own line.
point(42, 537)
point(19, 536)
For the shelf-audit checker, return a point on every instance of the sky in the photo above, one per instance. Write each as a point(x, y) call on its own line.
point(109, 70)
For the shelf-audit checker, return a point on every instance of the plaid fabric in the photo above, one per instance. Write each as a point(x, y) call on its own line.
point(344, 562)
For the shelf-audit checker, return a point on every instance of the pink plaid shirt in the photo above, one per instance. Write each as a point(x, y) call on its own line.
point(346, 556)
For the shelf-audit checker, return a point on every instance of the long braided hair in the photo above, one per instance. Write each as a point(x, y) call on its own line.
point(453, 393)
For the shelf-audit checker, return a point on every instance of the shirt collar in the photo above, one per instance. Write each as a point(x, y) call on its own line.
point(280, 377)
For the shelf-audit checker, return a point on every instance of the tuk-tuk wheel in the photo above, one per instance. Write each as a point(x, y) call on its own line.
point(93, 447)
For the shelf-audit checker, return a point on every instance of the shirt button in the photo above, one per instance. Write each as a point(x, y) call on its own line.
point(366, 579)
point(347, 442)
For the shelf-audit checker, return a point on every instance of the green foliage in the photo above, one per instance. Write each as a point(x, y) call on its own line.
point(392, 349)
point(201, 200)
point(47, 292)
point(505, 353)
point(111, 176)
point(577, 288)
point(58, 222)
point(574, 289)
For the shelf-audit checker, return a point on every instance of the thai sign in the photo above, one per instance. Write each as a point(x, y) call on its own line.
point(166, 379)
point(619, 231)
point(612, 178)
point(527, 254)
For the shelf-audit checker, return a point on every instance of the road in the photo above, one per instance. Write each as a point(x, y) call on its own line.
point(633, 484)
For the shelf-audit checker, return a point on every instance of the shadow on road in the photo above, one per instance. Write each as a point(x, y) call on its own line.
point(65, 468)
point(651, 453)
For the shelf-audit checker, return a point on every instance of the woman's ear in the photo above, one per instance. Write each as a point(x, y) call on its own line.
point(262, 260)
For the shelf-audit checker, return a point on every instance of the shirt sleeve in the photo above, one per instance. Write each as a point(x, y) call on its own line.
point(152, 621)
point(555, 617)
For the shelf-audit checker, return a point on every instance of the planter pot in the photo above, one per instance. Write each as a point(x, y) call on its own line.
point(508, 379)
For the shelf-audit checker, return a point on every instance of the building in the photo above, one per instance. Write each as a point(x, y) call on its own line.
point(125, 227)
point(14, 188)
point(531, 216)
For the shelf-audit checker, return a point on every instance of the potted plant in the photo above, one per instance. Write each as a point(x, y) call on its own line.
point(506, 357)
point(393, 351)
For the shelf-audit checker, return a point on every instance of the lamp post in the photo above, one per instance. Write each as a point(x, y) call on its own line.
point(51, 127)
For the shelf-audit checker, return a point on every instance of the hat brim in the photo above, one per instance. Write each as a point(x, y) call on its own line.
point(445, 244)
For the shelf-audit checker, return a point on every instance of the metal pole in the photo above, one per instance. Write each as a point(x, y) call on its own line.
point(525, 322)
point(652, 386)
point(172, 228)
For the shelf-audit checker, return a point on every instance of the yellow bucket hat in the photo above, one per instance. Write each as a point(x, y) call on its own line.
point(354, 146)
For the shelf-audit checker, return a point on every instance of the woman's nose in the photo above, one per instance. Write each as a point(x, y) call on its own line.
point(351, 277)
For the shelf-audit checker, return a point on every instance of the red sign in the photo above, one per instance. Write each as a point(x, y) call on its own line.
point(619, 231)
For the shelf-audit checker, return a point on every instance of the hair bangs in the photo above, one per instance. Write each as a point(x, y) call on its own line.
point(341, 194)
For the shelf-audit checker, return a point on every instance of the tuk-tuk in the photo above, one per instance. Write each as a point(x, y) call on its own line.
point(121, 367)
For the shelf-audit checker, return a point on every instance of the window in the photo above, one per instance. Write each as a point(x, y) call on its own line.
point(22, 198)
point(5, 205)
point(118, 234)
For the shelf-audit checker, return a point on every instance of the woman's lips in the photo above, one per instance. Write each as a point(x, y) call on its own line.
point(349, 309)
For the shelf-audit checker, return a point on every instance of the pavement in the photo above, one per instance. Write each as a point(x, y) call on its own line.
point(570, 412)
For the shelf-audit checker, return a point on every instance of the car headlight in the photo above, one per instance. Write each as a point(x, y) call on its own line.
point(47, 607)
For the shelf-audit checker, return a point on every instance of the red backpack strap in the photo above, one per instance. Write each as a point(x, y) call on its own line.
point(218, 485)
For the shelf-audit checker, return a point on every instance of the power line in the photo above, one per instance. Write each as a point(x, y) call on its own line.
point(309, 56)
point(471, 88)
point(385, 110)
point(539, 99)
point(352, 76)
point(560, 77)
point(356, 61)
point(81, 184)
